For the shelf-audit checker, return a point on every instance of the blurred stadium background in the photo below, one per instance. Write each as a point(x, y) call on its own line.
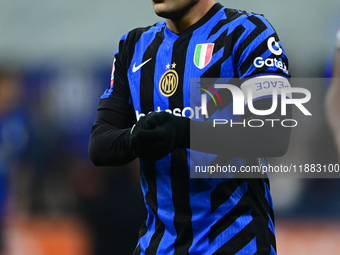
point(56, 58)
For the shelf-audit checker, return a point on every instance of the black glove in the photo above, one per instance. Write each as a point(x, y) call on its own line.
point(157, 134)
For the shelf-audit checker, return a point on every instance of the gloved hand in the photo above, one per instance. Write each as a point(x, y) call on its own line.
point(157, 134)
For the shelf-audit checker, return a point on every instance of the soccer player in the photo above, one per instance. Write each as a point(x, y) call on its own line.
point(144, 114)
point(333, 94)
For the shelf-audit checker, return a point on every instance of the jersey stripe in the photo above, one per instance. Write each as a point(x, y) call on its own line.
point(252, 30)
point(151, 199)
point(231, 236)
point(179, 58)
point(166, 210)
point(223, 192)
point(239, 241)
point(163, 58)
point(179, 169)
point(147, 78)
point(183, 213)
point(215, 69)
point(230, 15)
point(249, 249)
point(146, 105)
point(241, 208)
point(135, 77)
point(260, 216)
point(150, 175)
point(145, 237)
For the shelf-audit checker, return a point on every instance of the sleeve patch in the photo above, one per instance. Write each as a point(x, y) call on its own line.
point(112, 73)
point(264, 86)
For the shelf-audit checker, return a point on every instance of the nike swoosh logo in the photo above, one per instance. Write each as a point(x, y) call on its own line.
point(136, 68)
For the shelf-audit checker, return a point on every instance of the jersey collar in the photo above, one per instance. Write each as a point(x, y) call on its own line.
point(172, 36)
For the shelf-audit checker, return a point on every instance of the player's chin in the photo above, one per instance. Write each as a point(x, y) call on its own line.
point(166, 14)
point(161, 8)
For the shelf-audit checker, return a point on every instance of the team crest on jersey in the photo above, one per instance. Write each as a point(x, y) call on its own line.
point(203, 54)
point(169, 82)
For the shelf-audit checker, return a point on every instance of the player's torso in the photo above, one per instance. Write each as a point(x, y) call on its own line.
point(198, 216)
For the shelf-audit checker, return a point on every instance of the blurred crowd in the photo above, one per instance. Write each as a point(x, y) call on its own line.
point(45, 121)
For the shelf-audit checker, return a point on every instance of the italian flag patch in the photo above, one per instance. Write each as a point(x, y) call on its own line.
point(203, 53)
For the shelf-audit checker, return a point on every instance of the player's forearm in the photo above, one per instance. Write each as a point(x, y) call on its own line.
point(108, 146)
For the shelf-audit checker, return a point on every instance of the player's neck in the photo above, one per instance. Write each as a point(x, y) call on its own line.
point(192, 16)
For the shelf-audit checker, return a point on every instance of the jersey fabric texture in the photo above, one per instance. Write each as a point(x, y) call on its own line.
point(186, 215)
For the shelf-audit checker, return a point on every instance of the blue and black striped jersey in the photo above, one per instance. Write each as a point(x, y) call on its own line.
point(152, 72)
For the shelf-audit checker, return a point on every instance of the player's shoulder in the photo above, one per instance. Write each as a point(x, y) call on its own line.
point(129, 40)
point(247, 18)
point(135, 34)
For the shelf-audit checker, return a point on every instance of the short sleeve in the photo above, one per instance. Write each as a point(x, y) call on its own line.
point(258, 49)
point(338, 40)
